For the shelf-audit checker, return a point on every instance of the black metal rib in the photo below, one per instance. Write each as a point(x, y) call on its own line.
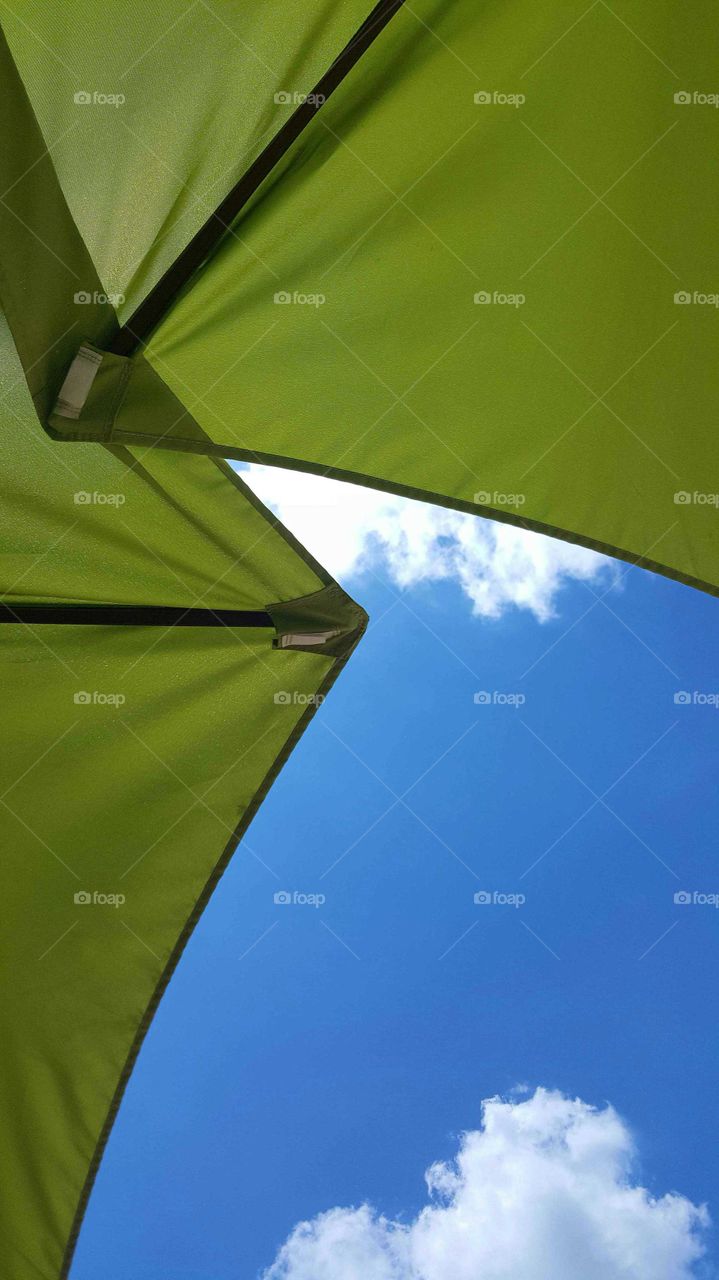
point(122, 615)
point(159, 300)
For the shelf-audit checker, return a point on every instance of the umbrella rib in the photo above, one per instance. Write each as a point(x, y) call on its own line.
point(159, 300)
point(121, 615)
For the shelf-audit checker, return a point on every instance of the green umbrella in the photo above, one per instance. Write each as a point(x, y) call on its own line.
point(458, 251)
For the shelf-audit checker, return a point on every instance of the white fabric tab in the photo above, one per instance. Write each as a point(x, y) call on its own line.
point(306, 640)
point(76, 387)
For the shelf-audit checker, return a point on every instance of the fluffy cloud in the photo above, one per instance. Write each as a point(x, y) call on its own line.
point(542, 1191)
point(352, 530)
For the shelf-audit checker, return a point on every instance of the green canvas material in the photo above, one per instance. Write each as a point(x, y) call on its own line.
point(204, 86)
point(139, 755)
point(45, 265)
point(496, 239)
point(483, 276)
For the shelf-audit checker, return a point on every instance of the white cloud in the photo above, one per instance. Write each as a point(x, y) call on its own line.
point(352, 530)
point(542, 1191)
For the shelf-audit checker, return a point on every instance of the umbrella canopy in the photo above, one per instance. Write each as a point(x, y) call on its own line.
point(457, 251)
point(477, 270)
point(163, 643)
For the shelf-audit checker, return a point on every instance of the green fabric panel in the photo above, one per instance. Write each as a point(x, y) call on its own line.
point(583, 410)
point(128, 403)
point(336, 622)
point(140, 799)
point(49, 288)
point(138, 756)
point(199, 83)
point(99, 525)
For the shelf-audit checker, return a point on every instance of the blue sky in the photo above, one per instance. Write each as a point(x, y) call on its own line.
point(306, 1057)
